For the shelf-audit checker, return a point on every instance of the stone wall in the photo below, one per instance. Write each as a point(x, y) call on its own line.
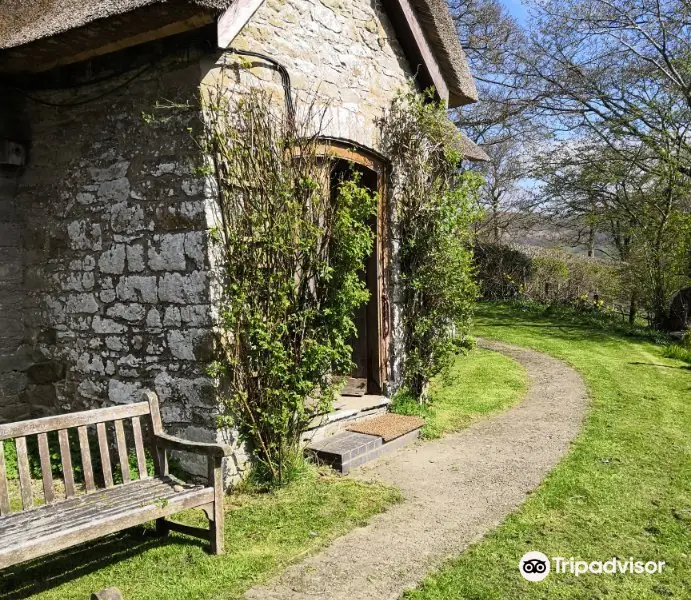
point(115, 253)
point(14, 354)
point(12, 351)
point(344, 54)
point(343, 57)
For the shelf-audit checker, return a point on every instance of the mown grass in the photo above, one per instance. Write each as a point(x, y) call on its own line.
point(623, 490)
point(478, 384)
point(263, 534)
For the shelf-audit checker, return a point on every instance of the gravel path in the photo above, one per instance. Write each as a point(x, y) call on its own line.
point(456, 488)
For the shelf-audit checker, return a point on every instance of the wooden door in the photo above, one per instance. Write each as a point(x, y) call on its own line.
point(365, 377)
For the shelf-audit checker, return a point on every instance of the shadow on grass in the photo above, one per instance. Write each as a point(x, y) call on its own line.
point(563, 331)
point(562, 322)
point(645, 364)
point(25, 580)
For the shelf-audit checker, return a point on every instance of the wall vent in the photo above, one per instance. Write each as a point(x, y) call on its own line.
point(12, 153)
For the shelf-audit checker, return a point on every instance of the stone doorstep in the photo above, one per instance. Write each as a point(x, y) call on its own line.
point(348, 450)
point(346, 408)
point(327, 431)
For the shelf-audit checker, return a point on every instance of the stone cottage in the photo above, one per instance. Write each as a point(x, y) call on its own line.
point(104, 261)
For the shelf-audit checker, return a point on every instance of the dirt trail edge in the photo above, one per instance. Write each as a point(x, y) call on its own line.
point(456, 489)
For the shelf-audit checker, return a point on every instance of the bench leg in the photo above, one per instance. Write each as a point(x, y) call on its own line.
point(162, 528)
point(216, 519)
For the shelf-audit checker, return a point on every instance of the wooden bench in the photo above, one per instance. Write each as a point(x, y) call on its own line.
point(99, 506)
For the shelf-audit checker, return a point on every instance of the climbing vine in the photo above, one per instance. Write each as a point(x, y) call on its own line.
point(289, 254)
point(434, 205)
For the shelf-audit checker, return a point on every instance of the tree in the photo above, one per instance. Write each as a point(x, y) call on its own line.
point(507, 207)
point(503, 122)
point(618, 69)
point(646, 212)
point(494, 44)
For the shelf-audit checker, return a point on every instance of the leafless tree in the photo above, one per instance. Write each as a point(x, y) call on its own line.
point(619, 69)
point(503, 121)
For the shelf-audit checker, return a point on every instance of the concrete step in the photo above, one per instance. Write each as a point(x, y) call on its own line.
point(346, 411)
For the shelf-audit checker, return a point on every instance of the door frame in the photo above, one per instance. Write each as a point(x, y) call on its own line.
point(335, 149)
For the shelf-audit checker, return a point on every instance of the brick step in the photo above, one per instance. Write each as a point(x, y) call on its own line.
point(350, 449)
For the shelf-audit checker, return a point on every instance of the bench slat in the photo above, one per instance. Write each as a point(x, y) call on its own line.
point(82, 510)
point(85, 452)
point(24, 473)
point(64, 538)
point(122, 451)
point(46, 470)
point(160, 454)
point(105, 455)
point(66, 460)
point(139, 448)
point(4, 492)
point(90, 417)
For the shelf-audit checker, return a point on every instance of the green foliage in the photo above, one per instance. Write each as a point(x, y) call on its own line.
point(404, 402)
point(259, 480)
point(679, 352)
point(660, 261)
point(644, 207)
point(290, 253)
point(434, 205)
point(549, 276)
point(502, 271)
point(10, 459)
point(173, 466)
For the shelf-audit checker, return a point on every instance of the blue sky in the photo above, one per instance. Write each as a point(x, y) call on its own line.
point(517, 9)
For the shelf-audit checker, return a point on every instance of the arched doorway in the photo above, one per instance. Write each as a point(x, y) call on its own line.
point(370, 346)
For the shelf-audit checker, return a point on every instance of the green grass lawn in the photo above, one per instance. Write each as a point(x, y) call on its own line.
point(477, 385)
point(624, 489)
point(264, 533)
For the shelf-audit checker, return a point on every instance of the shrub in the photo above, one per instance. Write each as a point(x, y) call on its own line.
point(678, 352)
point(10, 459)
point(290, 253)
point(434, 206)
point(549, 276)
point(502, 271)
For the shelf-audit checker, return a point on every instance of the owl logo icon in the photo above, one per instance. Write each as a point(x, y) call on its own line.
point(534, 566)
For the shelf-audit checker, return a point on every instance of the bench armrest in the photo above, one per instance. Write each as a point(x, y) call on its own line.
point(175, 443)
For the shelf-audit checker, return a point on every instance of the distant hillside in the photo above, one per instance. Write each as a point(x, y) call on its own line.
point(542, 232)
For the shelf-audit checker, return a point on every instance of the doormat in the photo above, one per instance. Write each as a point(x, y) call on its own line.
point(388, 426)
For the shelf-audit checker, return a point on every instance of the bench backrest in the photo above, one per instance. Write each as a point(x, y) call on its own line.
point(115, 420)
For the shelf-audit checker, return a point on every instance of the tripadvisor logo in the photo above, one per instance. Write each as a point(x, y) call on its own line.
point(535, 566)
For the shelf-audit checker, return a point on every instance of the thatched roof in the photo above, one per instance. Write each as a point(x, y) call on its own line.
point(441, 33)
point(26, 21)
point(471, 151)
